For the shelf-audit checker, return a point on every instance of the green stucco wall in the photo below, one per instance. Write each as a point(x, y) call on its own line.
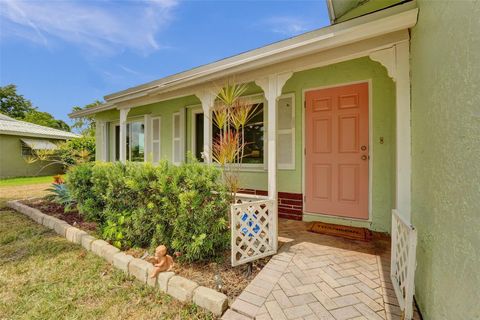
point(12, 163)
point(383, 115)
point(383, 101)
point(445, 68)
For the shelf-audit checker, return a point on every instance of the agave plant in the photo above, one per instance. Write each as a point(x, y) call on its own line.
point(60, 194)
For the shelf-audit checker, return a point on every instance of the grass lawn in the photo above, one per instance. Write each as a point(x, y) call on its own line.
point(11, 182)
point(43, 276)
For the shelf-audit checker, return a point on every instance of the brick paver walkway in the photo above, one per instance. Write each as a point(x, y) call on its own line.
point(320, 277)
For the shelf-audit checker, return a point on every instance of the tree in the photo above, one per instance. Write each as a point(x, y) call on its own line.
point(18, 107)
point(45, 119)
point(85, 125)
point(13, 104)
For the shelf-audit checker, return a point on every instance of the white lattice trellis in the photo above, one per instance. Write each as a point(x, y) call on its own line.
point(403, 264)
point(254, 229)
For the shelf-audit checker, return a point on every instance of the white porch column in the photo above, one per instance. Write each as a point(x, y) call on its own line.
point(123, 134)
point(397, 62)
point(207, 98)
point(272, 88)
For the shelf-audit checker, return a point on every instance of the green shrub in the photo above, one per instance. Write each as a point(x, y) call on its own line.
point(138, 204)
point(70, 150)
point(200, 228)
point(79, 182)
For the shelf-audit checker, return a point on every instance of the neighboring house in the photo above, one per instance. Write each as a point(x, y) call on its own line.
point(373, 113)
point(19, 139)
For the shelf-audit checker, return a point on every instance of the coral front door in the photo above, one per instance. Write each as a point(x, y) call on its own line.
point(337, 151)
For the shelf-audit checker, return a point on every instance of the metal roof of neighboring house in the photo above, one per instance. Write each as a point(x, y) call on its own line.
point(12, 126)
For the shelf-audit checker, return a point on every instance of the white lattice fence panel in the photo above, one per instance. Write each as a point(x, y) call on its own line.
point(254, 230)
point(403, 264)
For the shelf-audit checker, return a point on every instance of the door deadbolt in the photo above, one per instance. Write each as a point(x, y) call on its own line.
point(363, 148)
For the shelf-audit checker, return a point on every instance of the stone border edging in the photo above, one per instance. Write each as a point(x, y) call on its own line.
point(178, 287)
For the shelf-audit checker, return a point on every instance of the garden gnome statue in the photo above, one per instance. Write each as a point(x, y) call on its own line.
point(162, 261)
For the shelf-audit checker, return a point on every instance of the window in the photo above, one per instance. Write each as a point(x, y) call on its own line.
point(197, 139)
point(117, 143)
point(26, 150)
point(254, 134)
point(135, 141)
point(286, 132)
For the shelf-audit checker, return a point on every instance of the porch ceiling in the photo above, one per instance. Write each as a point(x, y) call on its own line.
point(266, 60)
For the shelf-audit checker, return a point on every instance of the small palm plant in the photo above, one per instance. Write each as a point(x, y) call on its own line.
point(52, 157)
point(231, 113)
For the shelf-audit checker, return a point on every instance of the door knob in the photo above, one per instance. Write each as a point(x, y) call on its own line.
point(364, 157)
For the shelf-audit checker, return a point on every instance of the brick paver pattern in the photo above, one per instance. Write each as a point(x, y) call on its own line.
point(321, 277)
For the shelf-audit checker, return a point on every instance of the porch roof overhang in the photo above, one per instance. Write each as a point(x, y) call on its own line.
point(380, 25)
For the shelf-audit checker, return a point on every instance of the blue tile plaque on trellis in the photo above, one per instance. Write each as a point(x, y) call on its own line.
point(250, 220)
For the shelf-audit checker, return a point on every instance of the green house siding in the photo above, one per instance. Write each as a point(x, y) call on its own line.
point(383, 115)
point(12, 163)
point(445, 68)
point(383, 125)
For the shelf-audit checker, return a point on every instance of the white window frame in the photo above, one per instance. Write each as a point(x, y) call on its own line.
point(117, 124)
point(253, 99)
point(291, 165)
point(256, 99)
point(152, 137)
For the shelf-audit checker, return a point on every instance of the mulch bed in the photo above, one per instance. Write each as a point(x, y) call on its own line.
point(56, 210)
point(219, 275)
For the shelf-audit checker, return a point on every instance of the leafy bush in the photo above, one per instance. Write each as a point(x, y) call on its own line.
point(77, 148)
point(198, 228)
point(138, 204)
point(79, 181)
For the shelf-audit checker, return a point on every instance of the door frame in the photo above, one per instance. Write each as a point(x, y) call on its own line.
point(370, 148)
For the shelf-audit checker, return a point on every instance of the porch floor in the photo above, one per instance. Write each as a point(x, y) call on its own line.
point(317, 276)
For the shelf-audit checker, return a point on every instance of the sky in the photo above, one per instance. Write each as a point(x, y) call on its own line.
point(66, 53)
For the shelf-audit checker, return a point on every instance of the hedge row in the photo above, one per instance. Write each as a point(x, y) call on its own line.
point(140, 205)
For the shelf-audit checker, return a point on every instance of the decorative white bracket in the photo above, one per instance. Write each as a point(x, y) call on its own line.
point(387, 58)
point(207, 98)
point(272, 85)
